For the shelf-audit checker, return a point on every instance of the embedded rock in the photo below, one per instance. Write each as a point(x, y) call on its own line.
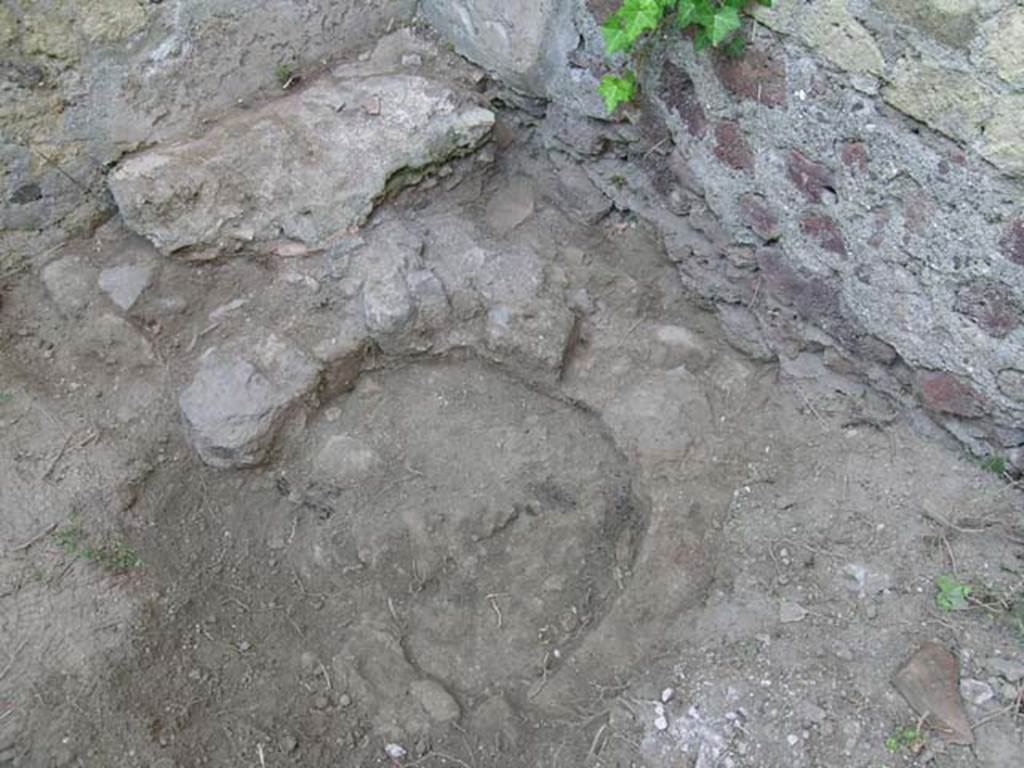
point(125, 284)
point(302, 168)
point(345, 461)
point(241, 396)
point(70, 283)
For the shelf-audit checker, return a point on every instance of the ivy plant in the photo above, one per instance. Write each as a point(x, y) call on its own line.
point(715, 23)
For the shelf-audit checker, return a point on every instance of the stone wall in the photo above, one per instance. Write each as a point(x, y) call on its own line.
point(83, 82)
point(853, 186)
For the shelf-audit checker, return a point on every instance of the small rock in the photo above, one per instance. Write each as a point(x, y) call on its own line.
point(345, 461)
point(578, 195)
point(675, 345)
point(661, 723)
point(289, 744)
point(811, 713)
point(866, 581)
point(387, 304)
point(344, 701)
point(792, 739)
point(299, 278)
point(241, 395)
point(70, 283)
point(511, 205)
point(791, 612)
point(412, 60)
point(1011, 671)
point(536, 333)
point(666, 695)
point(395, 751)
point(439, 705)
point(976, 692)
point(125, 284)
point(244, 646)
point(928, 681)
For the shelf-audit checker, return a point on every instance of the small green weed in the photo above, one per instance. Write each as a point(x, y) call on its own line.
point(953, 593)
point(114, 555)
point(284, 74)
point(908, 738)
point(995, 464)
point(5, 397)
point(714, 23)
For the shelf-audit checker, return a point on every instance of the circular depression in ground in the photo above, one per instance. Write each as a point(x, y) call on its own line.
point(502, 519)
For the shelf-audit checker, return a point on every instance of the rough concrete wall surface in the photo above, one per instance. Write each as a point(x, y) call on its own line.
point(83, 82)
point(854, 185)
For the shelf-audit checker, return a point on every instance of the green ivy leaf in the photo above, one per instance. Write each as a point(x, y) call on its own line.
point(628, 23)
point(724, 23)
point(617, 90)
point(686, 13)
point(701, 39)
point(952, 594)
point(615, 37)
point(765, 3)
point(705, 13)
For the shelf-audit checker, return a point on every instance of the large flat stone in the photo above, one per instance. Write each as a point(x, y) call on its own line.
point(304, 168)
point(829, 27)
point(948, 100)
point(953, 22)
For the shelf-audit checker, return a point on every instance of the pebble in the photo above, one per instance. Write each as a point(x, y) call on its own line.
point(811, 713)
point(511, 205)
point(844, 653)
point(289, 744)
point(661, 723)
point(395, 751)
point(791, 612)
point(344, 700)
point(793, 739)
point(1011, 671)
point(125, 284)
point(666, 695)
point(977, 692)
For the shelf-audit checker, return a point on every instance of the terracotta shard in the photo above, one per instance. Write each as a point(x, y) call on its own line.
point(929, 681)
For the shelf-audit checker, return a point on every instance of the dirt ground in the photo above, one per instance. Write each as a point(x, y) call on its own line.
point(652, 551)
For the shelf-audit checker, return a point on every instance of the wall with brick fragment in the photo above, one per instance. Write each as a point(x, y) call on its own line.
point(868, 156)
point(853, 187)
point(83, 82)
